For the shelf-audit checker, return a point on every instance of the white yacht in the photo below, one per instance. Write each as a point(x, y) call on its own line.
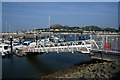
point(4, 49)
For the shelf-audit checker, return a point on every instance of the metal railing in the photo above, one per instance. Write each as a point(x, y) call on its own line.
point(113, 40)
point(72, 46)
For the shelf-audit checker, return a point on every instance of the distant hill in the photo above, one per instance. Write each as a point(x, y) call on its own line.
point(58, 26)
point(110, 29)
point(96, 28)
point(91, 28)
point(86, 28)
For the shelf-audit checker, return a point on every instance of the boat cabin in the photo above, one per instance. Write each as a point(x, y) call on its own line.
point(26, 43)
point(3, 47)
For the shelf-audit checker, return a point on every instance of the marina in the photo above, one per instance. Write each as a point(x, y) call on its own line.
point(51, 40)
point(92, 45)
point(71, 49)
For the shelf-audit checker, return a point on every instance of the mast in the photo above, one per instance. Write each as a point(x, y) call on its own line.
point(6, 26)
point(49, 21)
point(49, 25)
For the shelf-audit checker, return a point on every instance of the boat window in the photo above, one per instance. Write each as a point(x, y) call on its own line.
point(55, 44)
point(26, 44)
point(42, 45)
point(5, 47)
point(79, 43)
point(61, 44)
point(65, 44)
point(88, 42)
point(0, 46)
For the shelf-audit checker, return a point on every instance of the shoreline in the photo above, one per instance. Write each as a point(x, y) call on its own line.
point(91, 69)
point(32, 36)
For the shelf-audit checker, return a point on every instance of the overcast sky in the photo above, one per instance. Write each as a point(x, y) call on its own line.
point(30, 15)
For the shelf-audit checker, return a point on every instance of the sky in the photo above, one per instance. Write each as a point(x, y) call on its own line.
point(61, 0)
point(34, 15)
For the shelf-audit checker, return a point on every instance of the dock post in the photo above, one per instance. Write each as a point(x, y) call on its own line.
point(24, 37)
point(20, 41)
point(106, 39)
point(65, 37)
point(11, 43)
point(75, 37)
point(3, 37)
point(101, 55)
point(79, 38)
point(36, 39)
point(91, 37)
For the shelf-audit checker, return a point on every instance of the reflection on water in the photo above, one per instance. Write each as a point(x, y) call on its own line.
point(38, 65)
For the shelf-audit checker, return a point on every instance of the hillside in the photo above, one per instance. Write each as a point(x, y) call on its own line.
point(86, 28)
point(91, 28)
point(96, 28)
point(57, 26)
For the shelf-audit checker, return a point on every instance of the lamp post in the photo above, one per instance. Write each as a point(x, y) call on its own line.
point(11, 38)
point(36, 39)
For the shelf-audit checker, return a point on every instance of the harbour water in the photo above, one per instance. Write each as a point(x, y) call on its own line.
point(38, 65)
point(34, 66)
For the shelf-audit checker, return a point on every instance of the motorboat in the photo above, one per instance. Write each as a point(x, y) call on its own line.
point(26, 43)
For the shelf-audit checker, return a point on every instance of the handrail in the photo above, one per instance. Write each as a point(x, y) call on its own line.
point(70, 46)
point(96, 44)
point(86, 46)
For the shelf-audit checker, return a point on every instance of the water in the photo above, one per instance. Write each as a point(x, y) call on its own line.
point(71, 37)
point(38, 65)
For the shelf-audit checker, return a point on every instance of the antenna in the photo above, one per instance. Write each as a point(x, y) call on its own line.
point(5, 26)
point(49, 21)
point(34, 30)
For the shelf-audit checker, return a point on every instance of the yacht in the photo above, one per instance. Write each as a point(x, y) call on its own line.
point(4, 49)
